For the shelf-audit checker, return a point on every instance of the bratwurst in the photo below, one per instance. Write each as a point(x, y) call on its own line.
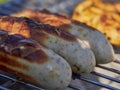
point(75, 51)
point(33, 62)
point(102, 49)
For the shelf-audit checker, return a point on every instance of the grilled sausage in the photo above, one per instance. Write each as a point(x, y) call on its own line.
point(74, 50)
point(33, 62)
point(101, 47)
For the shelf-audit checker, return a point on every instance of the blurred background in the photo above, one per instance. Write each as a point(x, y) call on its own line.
point(3, 1)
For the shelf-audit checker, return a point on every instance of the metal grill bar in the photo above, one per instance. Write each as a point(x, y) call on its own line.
point(99, 84)
point(117, 61)
point(15, 5)
point(15, 80)
point(3, 88)
point(80, 77)
point(109, 69)
point(30, 85)
point(75, 88)
point(8, 84)
point(106, 76)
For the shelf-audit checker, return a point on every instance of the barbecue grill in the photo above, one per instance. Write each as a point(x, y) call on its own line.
point(10, 81)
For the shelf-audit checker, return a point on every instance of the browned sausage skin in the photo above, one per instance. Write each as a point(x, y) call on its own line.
point(56, 39)
point(101, 47)
point(33, 62)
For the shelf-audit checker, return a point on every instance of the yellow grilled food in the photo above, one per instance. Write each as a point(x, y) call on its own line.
point(101, 15)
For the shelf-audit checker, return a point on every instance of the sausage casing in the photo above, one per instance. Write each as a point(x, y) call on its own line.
point(33, 62)
point(75, 51)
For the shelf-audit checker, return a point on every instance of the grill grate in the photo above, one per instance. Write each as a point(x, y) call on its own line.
point(11, 81)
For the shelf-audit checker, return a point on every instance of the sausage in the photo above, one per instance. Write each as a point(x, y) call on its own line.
point(77, 52)
point(33, 62)
point(99, 44)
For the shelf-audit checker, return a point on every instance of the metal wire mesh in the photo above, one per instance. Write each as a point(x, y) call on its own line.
point(12, 82)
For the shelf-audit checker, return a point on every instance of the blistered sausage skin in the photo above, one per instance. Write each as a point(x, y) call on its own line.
point(33, 62)
point(99, 44)
point(75, 51)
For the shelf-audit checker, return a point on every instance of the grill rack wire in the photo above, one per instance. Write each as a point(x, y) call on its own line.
point(15, 5)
